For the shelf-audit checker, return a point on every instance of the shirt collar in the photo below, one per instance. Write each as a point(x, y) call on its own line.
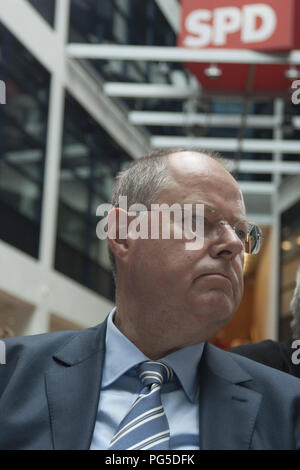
point(122, 355)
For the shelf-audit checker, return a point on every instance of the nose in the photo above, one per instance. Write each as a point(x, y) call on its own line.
point(226, 243)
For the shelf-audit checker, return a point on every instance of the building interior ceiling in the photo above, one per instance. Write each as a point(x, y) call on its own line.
point(259, 163)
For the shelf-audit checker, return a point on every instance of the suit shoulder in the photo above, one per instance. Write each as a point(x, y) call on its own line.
point(263, 372)
point(240, 369)
point(38, 349)
point(34, 344)
point(268, 352)
point(251, 348)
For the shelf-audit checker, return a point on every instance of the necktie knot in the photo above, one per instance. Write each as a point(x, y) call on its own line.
point(154, 372)
point(145, 426)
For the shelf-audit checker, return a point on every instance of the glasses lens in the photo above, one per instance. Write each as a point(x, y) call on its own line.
point(254, 239)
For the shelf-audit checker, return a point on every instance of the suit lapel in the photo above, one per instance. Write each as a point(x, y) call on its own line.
point(73, 388)
point(227, 409)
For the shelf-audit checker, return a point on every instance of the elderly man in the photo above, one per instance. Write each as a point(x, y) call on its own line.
point(146, 378)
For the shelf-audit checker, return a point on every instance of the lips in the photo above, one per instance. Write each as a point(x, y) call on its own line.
point(224, 275)
point(216, 274)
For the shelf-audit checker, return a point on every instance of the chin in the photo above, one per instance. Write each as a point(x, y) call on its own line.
point(217, 300)
point(215, 312)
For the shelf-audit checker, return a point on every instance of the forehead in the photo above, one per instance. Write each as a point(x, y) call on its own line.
point(198, 178)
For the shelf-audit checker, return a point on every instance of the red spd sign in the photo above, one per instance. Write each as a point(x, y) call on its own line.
point(237, 24)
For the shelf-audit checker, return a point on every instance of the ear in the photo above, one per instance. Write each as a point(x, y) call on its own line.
point(117, 232)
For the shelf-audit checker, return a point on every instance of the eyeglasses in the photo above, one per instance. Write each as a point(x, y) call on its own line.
point(208, 224)
point(249, 233)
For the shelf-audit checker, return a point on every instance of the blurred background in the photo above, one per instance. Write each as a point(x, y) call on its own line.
point(90, 85)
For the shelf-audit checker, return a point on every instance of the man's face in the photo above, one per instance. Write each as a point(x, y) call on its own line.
point(191, 293)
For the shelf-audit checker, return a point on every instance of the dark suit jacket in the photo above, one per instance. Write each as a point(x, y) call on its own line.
point(50, 386)
point(272, 354)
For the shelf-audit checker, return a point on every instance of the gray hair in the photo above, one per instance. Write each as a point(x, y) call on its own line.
point(146, 177)
point(295, 308)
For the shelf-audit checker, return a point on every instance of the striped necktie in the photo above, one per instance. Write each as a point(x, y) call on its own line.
point(146, 426)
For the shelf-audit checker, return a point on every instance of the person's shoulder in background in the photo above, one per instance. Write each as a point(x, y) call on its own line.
point(281, 356)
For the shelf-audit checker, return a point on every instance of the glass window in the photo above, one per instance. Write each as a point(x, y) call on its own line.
point(23, 127)
point(46, 8)
point(121, 22)
point(90, 162)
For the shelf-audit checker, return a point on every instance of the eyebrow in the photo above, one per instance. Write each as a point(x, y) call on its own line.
point(214, 210)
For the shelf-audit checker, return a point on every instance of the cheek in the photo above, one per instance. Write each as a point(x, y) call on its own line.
point(241, 266)
point(240, 276)
point(153, 258)
point(164, 263)
point(238, 269)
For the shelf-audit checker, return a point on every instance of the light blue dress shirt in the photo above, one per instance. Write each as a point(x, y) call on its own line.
point(120, 387)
